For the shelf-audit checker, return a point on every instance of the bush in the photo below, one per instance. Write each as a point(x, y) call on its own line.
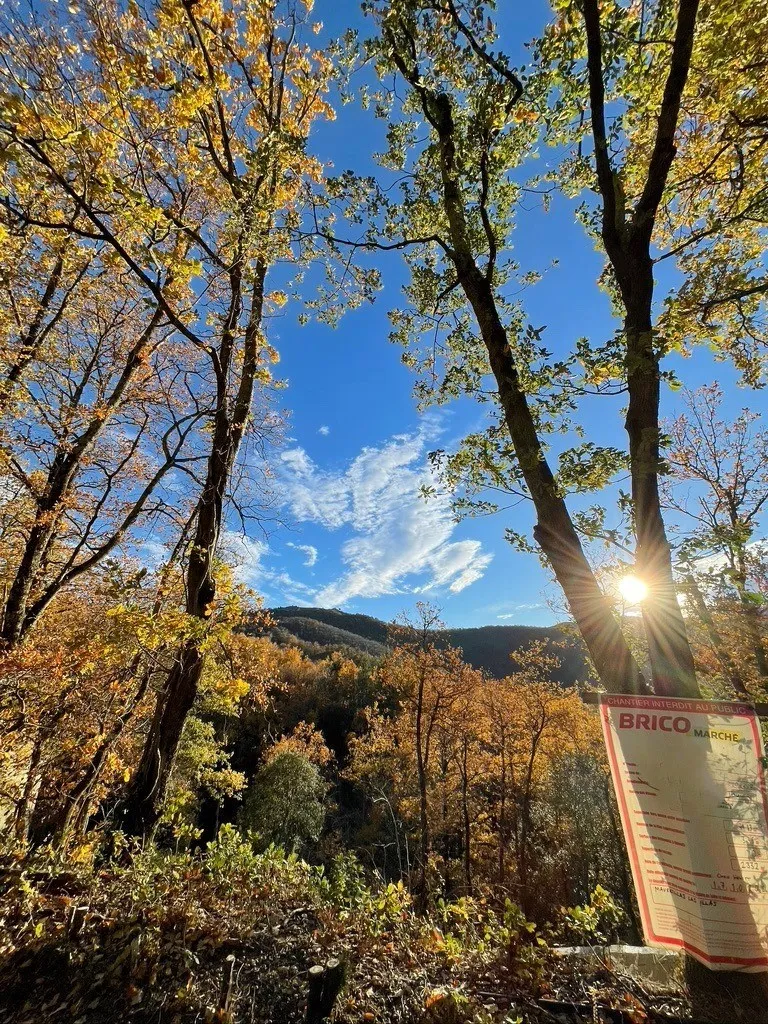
point(285, 805)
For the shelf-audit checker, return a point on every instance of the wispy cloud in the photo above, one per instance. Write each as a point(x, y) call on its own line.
point(400, 541)
point(515, 613)
point(309, 551)
point(246, 556)
point(325, 431)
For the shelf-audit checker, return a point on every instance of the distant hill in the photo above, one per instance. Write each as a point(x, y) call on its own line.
point(487, 647)
point(314, 631)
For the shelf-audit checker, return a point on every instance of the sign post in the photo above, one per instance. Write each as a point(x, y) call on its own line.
point(690, 783)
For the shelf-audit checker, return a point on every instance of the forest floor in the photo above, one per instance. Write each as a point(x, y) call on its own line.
point(231, 937)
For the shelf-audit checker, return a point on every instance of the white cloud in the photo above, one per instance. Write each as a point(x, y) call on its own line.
point(396, 533)
point(246, 556)
point(308, 549)
point(312, 496)
point(718, 563)
point(152, 553)
point(516, 609)
point(325, 431)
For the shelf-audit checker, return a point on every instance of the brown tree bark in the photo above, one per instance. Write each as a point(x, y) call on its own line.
point(627, 241)
point(139, 811)
point(554, 531)
point(465, 816)
point(75, 817)
point(21, 611)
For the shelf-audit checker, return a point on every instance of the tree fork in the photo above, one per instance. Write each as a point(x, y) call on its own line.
point(628, 247)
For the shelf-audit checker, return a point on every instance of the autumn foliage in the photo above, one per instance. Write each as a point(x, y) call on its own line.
point(162, 202)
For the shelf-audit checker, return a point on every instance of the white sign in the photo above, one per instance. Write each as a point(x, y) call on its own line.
point(690, 783)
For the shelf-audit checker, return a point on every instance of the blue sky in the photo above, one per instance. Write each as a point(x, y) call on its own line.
point(356, 533)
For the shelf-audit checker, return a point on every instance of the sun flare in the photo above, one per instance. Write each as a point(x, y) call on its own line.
point(633, 589)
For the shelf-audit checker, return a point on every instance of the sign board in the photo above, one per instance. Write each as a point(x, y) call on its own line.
point(690, 784)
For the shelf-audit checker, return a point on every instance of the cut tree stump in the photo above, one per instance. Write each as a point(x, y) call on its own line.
point(325, 981)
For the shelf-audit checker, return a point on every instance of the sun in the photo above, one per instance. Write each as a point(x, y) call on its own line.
point(633, 589)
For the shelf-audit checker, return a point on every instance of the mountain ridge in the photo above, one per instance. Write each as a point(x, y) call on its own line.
point(490, 648)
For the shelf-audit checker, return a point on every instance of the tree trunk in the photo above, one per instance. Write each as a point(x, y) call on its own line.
point(669, 651)
point(466, 820)
point(422, 884)
point(727, 664)
point(325, 983)
point(15, 612)
point(139, 812)
point(26, 805)
point(554, 531)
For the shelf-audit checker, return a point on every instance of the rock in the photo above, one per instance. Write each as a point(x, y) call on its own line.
point(653, 968)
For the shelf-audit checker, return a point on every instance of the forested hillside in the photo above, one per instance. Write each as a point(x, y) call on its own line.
point(447, 310)
point(490, 648)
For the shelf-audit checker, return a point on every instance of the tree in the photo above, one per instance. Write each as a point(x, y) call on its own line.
point(75, 700)
point(588, 845)
point(660, 109)
point(452, 142)
point(627, 237)
point(632, 167)
point(715, 209)
point(718, 487)
point(456, 140)
point(92, 434)
point(200, 153)
point(430, 681)
point(286, 802)
point(531, 724)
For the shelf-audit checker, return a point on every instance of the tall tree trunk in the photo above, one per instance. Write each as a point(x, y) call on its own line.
point(717, 996)
point(466, 820)
point(422, 883)
point(140, 812)
point(627, 239)
point(19, 593)
point(669, 651)
point(727, 664)
point(26, 805)
point(554, 532)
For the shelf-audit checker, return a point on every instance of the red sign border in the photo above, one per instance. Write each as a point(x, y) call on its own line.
point(608, 701)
